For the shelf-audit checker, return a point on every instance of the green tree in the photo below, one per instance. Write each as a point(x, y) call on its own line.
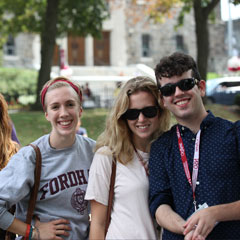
point(51, 18)
point(203, 12)
point(235, 2)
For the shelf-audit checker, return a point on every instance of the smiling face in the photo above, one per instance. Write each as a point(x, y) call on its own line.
point(142, 127)
point(185, 105)
point(63, 112)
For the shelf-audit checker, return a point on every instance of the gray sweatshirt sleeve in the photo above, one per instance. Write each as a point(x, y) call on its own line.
point(16, 180)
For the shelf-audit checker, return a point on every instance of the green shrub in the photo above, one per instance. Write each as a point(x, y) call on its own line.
point(15, 82)
point(26, 100)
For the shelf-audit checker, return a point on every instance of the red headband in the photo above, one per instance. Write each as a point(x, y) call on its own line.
point(44, 91)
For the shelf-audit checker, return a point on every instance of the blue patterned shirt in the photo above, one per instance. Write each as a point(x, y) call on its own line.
point(218, 175)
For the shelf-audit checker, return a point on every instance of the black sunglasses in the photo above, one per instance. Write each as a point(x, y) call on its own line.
point(184, 85)
point(148, 112)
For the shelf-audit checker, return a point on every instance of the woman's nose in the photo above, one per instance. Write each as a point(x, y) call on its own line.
point(63, 111)
point(141, 117)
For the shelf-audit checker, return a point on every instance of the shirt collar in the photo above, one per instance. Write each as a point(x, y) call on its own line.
point(207, 121)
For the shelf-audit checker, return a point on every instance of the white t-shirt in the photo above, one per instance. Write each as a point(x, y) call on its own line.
point(130, 217)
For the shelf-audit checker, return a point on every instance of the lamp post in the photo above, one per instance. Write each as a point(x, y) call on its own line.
point(230, 31)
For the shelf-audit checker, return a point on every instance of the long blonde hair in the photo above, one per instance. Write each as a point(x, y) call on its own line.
point(117, 135)
point(7, 146)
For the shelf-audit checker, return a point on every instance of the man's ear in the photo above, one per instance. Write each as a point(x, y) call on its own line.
point(202, 87)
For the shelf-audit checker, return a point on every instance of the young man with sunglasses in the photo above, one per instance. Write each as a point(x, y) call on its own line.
point(194, 167)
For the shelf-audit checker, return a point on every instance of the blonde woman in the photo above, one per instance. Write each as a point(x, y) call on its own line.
point(61, 211)
point(136, 119)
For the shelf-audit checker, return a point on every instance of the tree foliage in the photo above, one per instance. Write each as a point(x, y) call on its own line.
point(158, 10)
point(78, 17)
point(51, 18)
point(235, 2)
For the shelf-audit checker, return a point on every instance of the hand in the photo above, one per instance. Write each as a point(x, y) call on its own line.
point(202, 222)
point(189, 236)
point(54, 229)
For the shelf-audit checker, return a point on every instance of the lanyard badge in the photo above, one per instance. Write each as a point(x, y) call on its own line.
point(192, 181)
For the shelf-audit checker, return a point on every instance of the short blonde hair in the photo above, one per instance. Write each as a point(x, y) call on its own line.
point(117, 135)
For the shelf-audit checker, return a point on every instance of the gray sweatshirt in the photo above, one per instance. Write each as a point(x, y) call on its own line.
point(62, 187)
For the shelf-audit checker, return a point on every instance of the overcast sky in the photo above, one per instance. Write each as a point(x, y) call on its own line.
point(235, 10)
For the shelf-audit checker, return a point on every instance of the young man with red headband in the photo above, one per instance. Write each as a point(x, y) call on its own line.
point(61, 211)
point(195, 166)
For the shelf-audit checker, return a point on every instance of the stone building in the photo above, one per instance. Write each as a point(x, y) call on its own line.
point(125, 44)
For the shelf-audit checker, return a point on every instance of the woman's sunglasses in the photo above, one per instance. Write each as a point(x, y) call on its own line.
point(184, 85)
point(148, 112)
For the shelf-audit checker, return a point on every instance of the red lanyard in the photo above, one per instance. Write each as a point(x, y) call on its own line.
point(144, 164)
point(192, 181)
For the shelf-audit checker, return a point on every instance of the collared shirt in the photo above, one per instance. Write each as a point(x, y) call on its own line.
point(218, 176)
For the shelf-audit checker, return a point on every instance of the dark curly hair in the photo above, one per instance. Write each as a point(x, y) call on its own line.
point(175, 65)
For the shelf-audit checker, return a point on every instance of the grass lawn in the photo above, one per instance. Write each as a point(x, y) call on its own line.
point(228, 112)
point(32, 125)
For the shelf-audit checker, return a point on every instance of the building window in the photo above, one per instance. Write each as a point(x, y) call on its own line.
point(146, 45)
point(9, 47)
point(179, 43)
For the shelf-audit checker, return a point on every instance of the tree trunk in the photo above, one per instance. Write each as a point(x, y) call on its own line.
point(201, 15)
point(201, 21)
point(48, 37)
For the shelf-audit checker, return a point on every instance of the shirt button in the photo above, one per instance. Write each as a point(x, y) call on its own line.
point(193, 139)
point(183, 128)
